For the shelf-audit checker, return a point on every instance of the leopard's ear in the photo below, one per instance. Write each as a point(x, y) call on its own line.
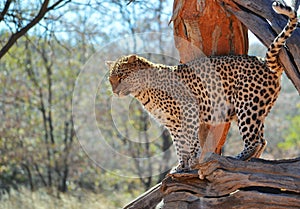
point(109, 64)
point(132, 58)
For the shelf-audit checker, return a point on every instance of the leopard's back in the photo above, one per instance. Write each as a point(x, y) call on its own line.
point(221, 82)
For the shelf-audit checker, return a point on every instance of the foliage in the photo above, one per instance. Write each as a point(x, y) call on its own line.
point(37, 137)
point(292, 139)
point(45, 198)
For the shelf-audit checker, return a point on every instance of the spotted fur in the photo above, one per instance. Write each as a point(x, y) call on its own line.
point(209, 90)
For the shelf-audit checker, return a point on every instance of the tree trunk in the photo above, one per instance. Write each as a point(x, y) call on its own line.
point(223, 182)
point(211, 30)
point(230, 183)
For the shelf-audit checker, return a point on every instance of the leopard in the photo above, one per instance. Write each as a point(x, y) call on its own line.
point(208, 90)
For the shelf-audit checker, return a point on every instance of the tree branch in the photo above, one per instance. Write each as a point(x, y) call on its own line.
point(55, 5)
point(15, 36)
point(147, 200)
point(5, 9)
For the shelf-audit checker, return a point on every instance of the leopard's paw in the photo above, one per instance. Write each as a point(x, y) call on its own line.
point(193, 162)
point(179, 169)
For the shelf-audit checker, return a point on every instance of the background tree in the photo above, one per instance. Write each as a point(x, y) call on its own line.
point(37, 136)
point(19, 17)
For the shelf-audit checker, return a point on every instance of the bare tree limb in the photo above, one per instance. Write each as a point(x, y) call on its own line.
point(5, 9)
point(15, 36)
point(147, 200)
point(56, 5)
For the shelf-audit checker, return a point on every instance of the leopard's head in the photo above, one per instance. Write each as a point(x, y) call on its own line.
point(126, 74)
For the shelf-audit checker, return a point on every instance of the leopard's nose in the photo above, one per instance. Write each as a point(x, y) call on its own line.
point(116, 89)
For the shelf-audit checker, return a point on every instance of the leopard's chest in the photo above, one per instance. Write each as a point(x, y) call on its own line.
point(160, 104)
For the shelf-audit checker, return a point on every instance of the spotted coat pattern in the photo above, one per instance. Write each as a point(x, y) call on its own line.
point(209, 90)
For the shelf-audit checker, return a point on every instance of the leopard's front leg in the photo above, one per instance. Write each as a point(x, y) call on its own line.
point(186, 140)
point(195, 151)
point(187, 154)
point(182, 151)
point(191, 124)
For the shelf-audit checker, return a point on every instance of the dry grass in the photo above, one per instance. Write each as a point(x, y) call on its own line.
point(44, 199)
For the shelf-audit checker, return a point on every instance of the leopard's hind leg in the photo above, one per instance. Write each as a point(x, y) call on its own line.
point(262, 142)
point(251, 130)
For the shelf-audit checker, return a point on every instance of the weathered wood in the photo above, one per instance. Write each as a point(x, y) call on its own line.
point(224, 182)
point(148, 200)
point(226, 175)
point(238, 200)
point(230, 183)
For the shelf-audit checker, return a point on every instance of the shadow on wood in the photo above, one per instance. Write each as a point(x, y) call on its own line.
point(224, 182)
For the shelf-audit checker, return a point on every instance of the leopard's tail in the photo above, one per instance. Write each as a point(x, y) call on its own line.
point(279, 41)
